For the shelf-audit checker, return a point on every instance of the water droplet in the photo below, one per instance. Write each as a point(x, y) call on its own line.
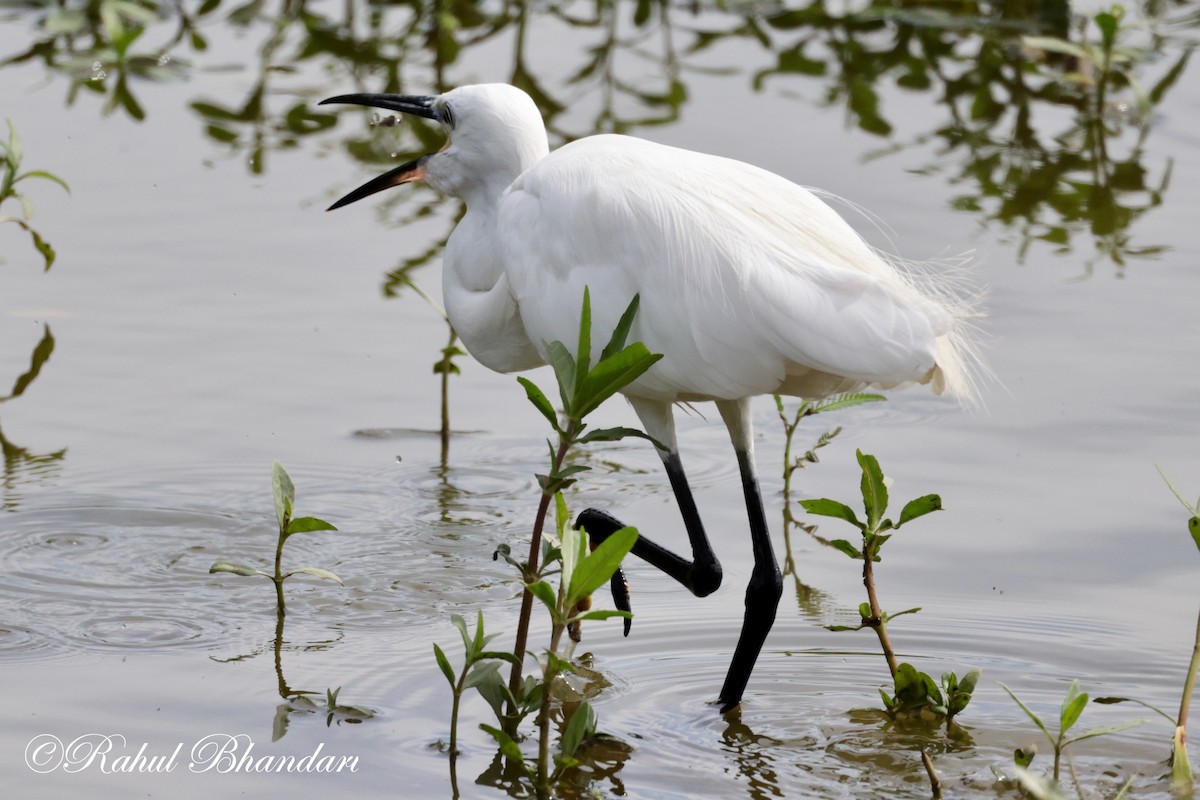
point(98, 73)
point(395, 155)
point(375, 119)
point(163, 60)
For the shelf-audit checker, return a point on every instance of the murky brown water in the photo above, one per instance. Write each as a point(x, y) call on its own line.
point(208, 317)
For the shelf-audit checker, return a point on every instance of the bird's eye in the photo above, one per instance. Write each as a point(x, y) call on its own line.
point(446, 115)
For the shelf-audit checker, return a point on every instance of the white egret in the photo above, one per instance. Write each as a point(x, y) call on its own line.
point(749, 285)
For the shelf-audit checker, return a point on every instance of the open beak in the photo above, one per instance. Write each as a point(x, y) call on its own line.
point(417, 105)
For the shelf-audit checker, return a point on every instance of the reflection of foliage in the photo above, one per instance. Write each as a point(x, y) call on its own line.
point(18, 460)
point(11, 154)
point(89, 42)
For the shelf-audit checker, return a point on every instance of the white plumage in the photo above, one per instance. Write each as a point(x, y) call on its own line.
point(749, 284)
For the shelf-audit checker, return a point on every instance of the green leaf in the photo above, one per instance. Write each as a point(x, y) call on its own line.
point(307, 525)
point(614, 434)
point(864, 610)
point(508, 748)
point(564, 367)
point(574, 544)
point(919, 508)
point(846, 400)
point(832, 508)
point(41, 173)
point(583, 353)
point(41, 354)
point(603, 613)
point(1072, 706)
point(846, 547)
point(836, 628)
point(542, 591)
point(616, 342)
point(540, 402)
point(1036, 719)
point(874, 492)
point(461, 624)
point(562, 517)
point(444, 664)
point(285, 494)
point(238, 569)
point(595, 569)
point(317, 571)
point(581, 727)
point(1104, 731)
point(610, 376)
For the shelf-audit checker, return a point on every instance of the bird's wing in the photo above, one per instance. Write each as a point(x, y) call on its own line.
point(748, 282)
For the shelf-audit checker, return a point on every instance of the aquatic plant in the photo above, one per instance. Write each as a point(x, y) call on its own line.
point(12, 154)
point(914, 692)
point(565, 552)
point(285, 498)
point(1181, 768)
point(1072, 708)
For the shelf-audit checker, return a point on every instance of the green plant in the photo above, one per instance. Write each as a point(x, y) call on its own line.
point(479, 664)
point(12, 153)
point(1072, 708)
point(1098, 67)
point(1181, 768)
point(580, 574)
point(582, 389)
point(914, 692)
point(340, 711)
point(285, 497)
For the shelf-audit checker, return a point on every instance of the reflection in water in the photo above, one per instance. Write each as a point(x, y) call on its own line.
point(20, 463)
point(1000, 137)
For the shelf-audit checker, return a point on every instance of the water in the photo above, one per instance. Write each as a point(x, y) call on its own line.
point(207, 318)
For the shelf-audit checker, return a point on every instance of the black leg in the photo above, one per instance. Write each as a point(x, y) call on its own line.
point(702, 575)
point(762, 593)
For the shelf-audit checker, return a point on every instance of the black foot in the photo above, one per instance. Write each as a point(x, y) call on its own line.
point(599, 526)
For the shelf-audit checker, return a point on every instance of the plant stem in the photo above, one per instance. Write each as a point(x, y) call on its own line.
point(1189, 685)
point(877, 621)
point(458, 690)
point(446, 398)
point(279, 575)
point(535, 549)
point(935, 783)
point(543, 774)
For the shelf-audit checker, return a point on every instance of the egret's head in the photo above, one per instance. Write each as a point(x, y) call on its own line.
point(495, 130)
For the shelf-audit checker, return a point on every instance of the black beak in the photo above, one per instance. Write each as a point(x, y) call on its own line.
point(417, 105)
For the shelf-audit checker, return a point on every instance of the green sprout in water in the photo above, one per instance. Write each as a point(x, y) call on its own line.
point(1072, 708)
point(915, 693)
point(11, 154)
point(285, 497)
point(1181, 768)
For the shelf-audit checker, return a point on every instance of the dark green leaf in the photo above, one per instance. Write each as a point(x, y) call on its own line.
point(611, 375)
point(603, 613)
point(285, 494)
point(542, 591)
point(307, 525)
point(1036, 719)
point(540, 402)
point(616, 342)
point(846, 547)
point(595, 569)
point(874, 491)
point(581, 727)
point(444, 664)
point(41, 354)
point(564, 367)
point(831, 508)
point(919, 508)
point(1072, 706)
point(583, 353)
point(508, 747)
